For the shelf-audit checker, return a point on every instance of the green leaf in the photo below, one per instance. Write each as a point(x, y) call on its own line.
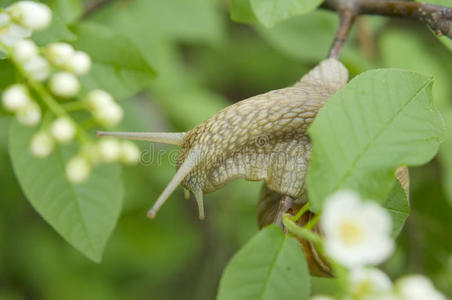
point(271, 12)
point(398, 207)
point(118, 66)
point(382, 119)
point(241, 11)
point(83, 214)
point(270, 266)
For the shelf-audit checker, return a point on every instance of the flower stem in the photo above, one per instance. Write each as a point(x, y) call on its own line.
point(301, 211)
point(300, 231)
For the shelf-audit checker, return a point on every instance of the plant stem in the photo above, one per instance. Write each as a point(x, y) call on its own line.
point(301, 211)
point(300, 231)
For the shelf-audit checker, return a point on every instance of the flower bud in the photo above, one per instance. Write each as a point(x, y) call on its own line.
point(79, 63)
point(110, 115)
point(59, 53)
point(15, 97)
point(109, 150)
point(13, 33)
point(29, 115)
point(98, 100)
point(30, 14)
point(25, 50)
point(130, 153)
point(64, 84)
point(42, 144)
point(78, 169)
point(63, 130)
point(38, 68)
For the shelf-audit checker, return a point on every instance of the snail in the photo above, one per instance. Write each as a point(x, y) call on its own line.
point(261, 138)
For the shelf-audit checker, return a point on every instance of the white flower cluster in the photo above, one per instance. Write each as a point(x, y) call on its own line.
point(357, 234)
point(55, 68)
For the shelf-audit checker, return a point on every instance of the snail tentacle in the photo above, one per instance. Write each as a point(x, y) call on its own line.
point(172, 138)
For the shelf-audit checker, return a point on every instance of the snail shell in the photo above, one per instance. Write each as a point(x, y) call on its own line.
point(260, 138)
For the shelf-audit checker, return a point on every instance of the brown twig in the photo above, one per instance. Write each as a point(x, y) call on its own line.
point(347, 18)
point(438, 17)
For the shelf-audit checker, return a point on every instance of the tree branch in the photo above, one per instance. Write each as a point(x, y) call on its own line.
point(347, 18)
point(438, 17)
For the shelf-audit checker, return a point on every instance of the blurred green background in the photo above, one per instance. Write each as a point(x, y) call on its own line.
point(205, 62)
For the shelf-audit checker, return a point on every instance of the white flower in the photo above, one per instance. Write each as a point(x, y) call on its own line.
point(109, 150)
point(78, 169)
point(11, 34)
point(356, 233)
point(369, 284)
point(63, 130)
point(64, 84)
point(15, 97)
point(29, 115)
point(321, 297)
point(104, 108)
point(25, 50)
point(130, 153)
point(59, 53)
point(42, 144)
point(30, 14)
point(38, 68)
point(417, 287)
point(79, 63)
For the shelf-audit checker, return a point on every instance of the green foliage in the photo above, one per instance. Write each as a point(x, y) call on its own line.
point(270, 12)
point(118, 65)
point(398, 207)
point(270, 266)
point(382, 119)
point(85, 214)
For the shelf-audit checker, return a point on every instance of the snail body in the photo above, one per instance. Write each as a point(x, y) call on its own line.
point(261, 138)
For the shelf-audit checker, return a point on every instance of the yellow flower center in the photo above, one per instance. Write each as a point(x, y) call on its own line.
point(350, 232)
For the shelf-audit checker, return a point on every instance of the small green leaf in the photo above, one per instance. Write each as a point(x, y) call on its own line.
point(271, 266)
point(83, 214)
point(271, 12)
point(382, 119)
point(118, 66)
point(398, 207)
